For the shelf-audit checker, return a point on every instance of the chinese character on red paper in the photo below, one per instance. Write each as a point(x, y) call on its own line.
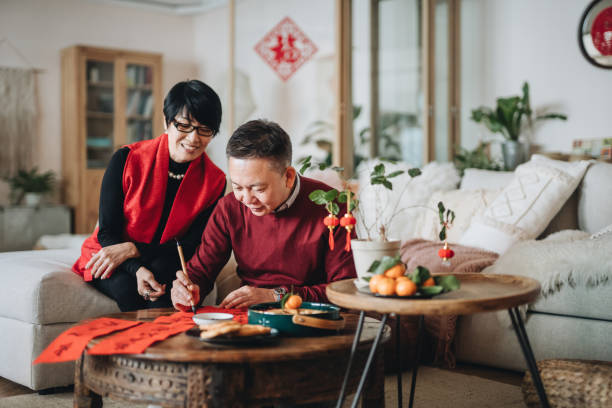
point(285, 48)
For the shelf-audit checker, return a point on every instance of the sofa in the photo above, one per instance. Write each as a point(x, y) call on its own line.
point(572, 319)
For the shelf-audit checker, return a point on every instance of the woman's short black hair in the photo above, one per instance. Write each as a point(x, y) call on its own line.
point(199, 100)
point(261, 139)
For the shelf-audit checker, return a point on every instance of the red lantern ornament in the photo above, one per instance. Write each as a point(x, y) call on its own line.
point(348, 222)
point(446, 254)
point(331, 221)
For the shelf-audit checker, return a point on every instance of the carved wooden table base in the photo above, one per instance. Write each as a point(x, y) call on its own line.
point(224, 377)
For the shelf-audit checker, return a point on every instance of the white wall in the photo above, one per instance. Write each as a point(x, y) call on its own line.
point(507, 42)
point(41, 28)
point(306, 96)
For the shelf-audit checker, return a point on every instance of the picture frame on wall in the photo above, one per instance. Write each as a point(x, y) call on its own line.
point(595, 33)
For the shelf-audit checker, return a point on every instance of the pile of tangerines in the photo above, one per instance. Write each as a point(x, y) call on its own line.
point(395, 282)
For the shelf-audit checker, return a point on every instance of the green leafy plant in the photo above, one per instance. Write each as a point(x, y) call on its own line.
point(330, 199)
point(475, 159)
point(509, 115)
point(30, 181)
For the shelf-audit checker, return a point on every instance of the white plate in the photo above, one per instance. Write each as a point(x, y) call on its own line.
point(210, 318)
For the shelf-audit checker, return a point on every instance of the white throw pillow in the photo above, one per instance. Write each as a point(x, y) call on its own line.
point(474, 179)
point(465, 204)
point(525, 207)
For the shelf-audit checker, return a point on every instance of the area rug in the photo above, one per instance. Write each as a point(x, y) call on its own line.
point(436, 388)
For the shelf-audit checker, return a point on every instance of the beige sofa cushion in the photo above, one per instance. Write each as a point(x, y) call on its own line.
point(39, 287)
point(595, 199)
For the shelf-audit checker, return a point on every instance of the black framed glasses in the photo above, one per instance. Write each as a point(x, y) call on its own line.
point(188, 128)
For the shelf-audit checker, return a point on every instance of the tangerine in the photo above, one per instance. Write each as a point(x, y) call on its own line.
point(405, 287)
point(386, 286)
point(396, 271)
point(429, 282)
point(374, 282)
point(294, 302)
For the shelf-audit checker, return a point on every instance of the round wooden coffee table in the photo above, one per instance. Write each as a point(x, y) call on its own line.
point(183, 371)
point(478, 293)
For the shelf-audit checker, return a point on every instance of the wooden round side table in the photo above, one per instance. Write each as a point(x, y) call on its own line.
point(183, 371)
point(478, 293)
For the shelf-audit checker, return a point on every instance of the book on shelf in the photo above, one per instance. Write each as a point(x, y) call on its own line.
point(147, 108)
point(133, 103)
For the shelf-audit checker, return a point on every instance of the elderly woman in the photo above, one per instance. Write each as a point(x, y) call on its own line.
point(153, 193)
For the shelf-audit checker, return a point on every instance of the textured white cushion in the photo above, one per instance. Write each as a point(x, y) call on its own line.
point(525, 207)
point(474, 179)
point(465, 203)
point(575, 272)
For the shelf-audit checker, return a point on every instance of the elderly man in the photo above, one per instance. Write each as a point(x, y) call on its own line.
point(276, 232)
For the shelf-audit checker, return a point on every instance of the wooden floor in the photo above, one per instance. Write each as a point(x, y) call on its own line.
point(9, 388)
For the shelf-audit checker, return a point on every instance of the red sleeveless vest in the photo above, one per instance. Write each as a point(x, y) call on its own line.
point(145, 178)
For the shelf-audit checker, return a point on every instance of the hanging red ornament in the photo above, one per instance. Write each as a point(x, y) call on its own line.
point(331, 221)
point(348, 222)
point(446, 254)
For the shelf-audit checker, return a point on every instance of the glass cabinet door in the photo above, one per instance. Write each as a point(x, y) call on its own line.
point(139, 102)
point(99, 113)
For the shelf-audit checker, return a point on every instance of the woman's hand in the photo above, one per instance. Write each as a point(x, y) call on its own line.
point(184, 292)
point(104, 262)
point(246, 296)
point(148, 287)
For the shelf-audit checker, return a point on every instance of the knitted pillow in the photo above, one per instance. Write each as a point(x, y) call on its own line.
point(525, 207)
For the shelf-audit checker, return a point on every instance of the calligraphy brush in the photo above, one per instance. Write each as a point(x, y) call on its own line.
point(180, 251)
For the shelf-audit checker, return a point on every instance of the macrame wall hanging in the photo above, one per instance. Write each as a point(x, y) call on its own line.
point(18, 115)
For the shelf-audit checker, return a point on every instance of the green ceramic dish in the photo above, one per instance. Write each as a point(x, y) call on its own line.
point(285, 323)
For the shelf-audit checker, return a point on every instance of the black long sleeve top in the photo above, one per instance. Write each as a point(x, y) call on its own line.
point(111, 221)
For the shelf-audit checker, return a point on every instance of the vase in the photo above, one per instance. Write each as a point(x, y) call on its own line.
point(365, 252)
point(32, 199)
point(514, 153)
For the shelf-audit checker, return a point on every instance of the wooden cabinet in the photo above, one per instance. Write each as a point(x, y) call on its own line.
point(110, 98)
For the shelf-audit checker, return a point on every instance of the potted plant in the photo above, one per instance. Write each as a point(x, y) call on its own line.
point(511, 117)
point(30, 186)
point(375, 242)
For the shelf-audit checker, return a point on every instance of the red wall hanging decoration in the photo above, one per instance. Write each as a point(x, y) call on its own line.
point(285, 48)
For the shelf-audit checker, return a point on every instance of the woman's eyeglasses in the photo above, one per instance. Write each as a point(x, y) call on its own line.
point(188, 128)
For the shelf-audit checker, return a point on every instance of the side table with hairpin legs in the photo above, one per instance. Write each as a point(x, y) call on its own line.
point(478, 293)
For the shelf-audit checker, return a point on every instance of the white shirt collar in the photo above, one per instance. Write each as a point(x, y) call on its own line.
point(292, 197)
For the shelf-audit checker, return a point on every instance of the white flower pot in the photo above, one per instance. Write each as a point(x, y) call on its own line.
point(365, 252)
point(32, 199)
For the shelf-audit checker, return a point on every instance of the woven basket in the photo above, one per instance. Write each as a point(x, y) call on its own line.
point(571, 384)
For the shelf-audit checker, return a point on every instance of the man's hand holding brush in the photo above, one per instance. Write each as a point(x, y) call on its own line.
point(184, 293)
point(186, 283)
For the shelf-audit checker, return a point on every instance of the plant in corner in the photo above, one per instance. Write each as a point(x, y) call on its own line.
point(30, 184)
point(511, 117)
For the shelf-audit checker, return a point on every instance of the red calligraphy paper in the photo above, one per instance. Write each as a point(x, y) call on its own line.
point(137, 340)
point(69, 345)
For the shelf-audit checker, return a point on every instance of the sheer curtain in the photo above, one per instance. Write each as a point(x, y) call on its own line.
point(18, 115)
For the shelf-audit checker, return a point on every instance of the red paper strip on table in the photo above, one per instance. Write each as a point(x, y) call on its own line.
point(69, 345)
point(137, 339)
